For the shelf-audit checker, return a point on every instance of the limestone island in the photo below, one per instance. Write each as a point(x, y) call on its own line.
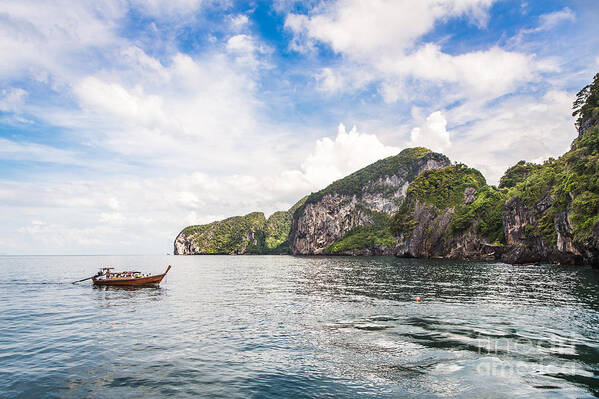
point(420, 204)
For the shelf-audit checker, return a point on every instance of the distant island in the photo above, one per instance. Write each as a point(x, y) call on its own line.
point(419, 204)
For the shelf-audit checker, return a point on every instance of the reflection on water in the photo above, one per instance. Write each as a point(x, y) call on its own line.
point(128, 295)
point(302, 327)
point(121, 288)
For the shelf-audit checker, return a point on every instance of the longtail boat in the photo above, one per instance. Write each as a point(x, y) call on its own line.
point(107, 277)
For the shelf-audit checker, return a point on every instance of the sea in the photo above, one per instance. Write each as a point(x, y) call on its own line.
point(298, 327)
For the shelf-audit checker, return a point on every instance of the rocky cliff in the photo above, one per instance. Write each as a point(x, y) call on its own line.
point(450, 213)
point(540, 213)
point(553, 215)
point(351, 215)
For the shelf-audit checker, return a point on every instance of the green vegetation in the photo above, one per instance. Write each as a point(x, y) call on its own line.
point(226, 236)
point(360, 182)
point(539, 183)
point(276, 230)
point(362, 237)
point(517, 173)
point(486, 209)
point(252, 233)
point(377, 234)
point(444, 188)
point(572, 184)
point(403, 221)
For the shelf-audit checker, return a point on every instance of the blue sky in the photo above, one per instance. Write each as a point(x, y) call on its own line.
point(122, 121)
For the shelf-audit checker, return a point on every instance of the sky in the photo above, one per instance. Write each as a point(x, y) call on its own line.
point(123, 121)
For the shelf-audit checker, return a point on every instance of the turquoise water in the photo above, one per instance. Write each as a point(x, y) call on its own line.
point(260, 326)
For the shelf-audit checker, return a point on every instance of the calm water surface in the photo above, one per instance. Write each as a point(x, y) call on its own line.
point(258, 326)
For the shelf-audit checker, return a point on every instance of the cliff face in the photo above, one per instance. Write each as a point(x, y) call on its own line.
point(433, 237)
point(450, 213)
point(330, 220)
point(553, 215)
point(543, 213)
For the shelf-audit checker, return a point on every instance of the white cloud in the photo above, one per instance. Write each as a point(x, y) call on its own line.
point(126, 214)
point(12, 99)
point(26, 151)
point(432, 134)
point(350, 151)
point(381, 40)
point(248, 51)
point(522, 127)
point(480, 74)
point(37, 37)
point(546, 22)
point(239, 22)
point(332, 80)
point(370, 28)
point(549, 21)
point(114, 100)
point(188, 113)
point(301, 41)
point(241, 44)
point(168, 8)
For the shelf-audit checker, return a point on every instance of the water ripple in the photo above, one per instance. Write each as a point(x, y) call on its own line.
point(258, 326)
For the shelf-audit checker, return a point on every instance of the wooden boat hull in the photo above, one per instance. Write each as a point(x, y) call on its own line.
point(128, 281)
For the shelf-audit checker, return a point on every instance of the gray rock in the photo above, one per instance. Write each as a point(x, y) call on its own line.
point(324, 222)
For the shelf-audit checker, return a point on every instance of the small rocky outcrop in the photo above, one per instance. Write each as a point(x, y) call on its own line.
point(235, 235)
point(249, 234)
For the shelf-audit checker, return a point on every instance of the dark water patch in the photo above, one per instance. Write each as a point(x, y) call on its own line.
point(590, 383)
point(370, 326)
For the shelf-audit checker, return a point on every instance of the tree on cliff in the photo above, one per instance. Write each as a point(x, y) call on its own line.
point(586, 106)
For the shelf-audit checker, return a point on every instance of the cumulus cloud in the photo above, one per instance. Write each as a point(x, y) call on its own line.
point(522, 127)
point(333, 159)
point(432, 134)
point(381, 38)
point(188, 113)
point(370, 28)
